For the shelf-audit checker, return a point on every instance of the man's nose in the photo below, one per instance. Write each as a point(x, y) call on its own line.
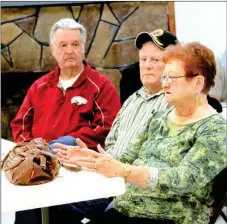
point(148, 64)
point(69, 49)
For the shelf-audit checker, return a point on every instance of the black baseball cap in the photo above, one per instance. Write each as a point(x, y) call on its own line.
point(161, 38)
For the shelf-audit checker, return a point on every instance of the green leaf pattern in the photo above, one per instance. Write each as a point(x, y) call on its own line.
point(187, 160)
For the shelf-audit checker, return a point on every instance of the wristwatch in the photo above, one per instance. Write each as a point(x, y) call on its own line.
point(127, 170)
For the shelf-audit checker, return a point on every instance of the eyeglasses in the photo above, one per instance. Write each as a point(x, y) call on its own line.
point(169, 79)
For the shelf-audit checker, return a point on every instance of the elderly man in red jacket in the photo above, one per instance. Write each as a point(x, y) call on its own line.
point(72, 101)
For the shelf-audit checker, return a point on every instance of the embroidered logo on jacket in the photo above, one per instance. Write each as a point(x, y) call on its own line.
point(78, 100)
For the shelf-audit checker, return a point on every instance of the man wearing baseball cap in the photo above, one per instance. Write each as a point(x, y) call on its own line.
point(132, 118)
point(162, 39)
point(139, 107)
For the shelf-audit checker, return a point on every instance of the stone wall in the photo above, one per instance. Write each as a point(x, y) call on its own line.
point(112, 28)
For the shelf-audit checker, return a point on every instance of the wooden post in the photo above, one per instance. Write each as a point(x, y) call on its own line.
point(171, 18)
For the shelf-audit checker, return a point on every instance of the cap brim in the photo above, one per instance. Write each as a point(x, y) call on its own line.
point(143, 38)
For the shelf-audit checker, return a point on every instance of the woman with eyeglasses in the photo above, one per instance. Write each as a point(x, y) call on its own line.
point(170, 168)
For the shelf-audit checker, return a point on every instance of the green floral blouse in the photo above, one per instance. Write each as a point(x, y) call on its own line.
point(181, 169)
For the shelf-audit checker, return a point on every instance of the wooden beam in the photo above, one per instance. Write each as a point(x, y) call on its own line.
point(171, 18)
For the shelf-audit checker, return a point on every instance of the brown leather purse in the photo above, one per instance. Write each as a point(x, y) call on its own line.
point(30, 163)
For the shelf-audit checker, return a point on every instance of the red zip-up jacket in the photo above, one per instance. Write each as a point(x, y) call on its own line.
point(49, 113)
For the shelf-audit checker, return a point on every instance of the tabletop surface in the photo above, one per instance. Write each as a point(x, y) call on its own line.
point(67, 187)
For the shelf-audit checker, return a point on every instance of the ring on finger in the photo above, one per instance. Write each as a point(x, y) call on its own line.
point(94, 167)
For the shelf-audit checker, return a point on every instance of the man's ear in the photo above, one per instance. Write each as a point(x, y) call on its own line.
point(52, 48)
point(84, 45)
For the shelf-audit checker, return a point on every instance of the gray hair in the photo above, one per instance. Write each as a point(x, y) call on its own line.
point(67, 23)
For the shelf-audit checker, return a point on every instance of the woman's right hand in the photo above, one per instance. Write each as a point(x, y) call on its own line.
point(70, 154)
point(63, 150)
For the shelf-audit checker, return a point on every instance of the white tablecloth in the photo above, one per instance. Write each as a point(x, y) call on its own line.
point(66, 188)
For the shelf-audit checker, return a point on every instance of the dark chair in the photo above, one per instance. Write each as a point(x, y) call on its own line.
point(220, 196)
point(214, 103)
point(130, 81)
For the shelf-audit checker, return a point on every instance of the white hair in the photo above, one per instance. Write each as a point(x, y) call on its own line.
point(67, 23)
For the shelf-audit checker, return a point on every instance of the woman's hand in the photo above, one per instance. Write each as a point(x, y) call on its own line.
point(102, 163)
point(64, 151)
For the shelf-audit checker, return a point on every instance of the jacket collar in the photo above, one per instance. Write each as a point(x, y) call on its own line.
point(53, 78)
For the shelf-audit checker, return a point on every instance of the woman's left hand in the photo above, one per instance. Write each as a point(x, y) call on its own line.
point(102, 164)
point(77, 154)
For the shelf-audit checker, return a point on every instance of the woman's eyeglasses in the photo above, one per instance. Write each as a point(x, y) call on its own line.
point(169, 79)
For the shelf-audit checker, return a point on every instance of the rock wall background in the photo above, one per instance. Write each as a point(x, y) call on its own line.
point(111, 27)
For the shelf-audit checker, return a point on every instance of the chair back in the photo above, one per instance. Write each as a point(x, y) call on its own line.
point(220, 195)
